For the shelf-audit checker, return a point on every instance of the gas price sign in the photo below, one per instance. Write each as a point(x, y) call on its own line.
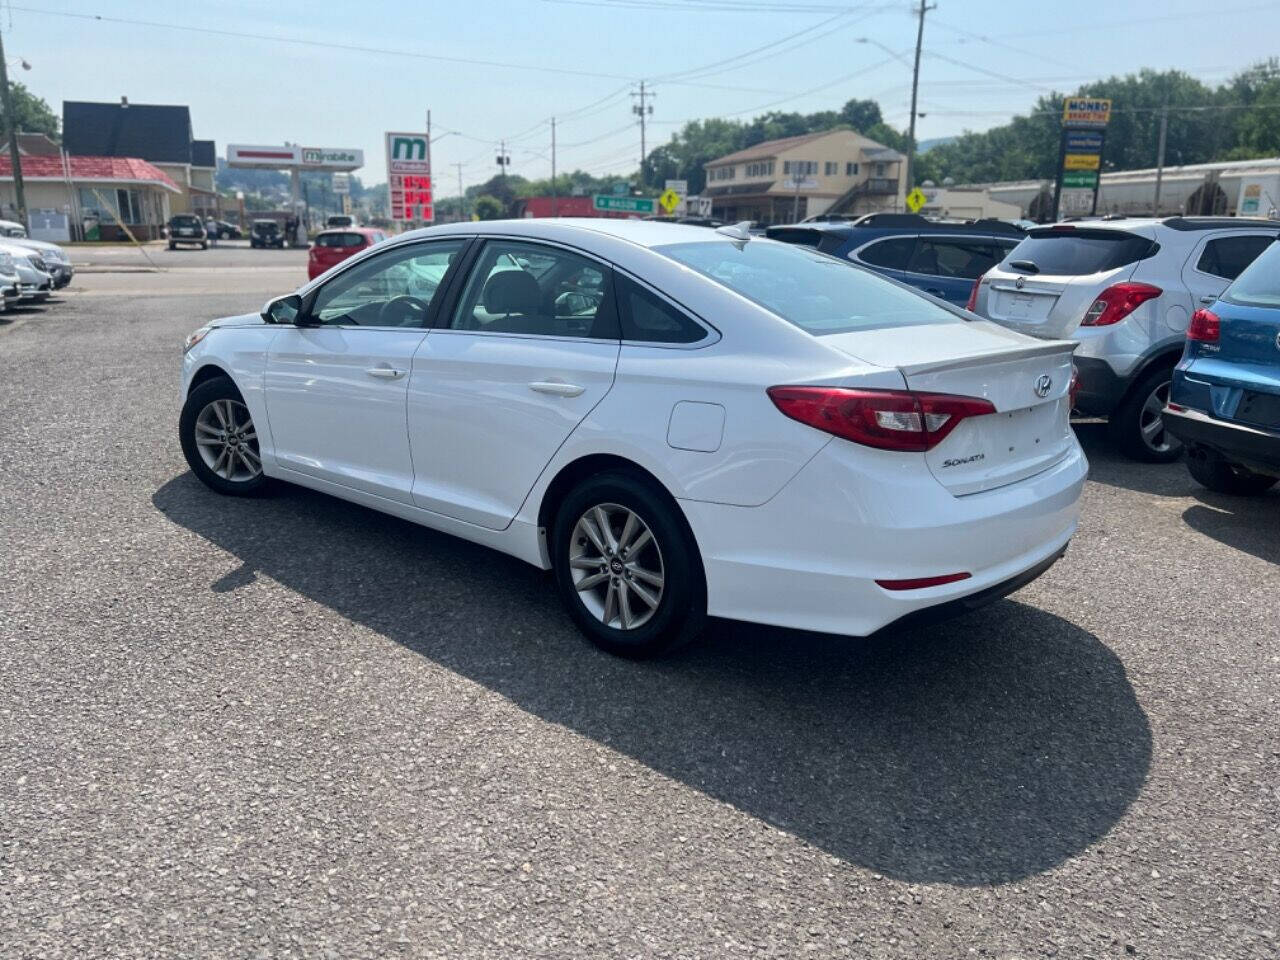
point(409, 177)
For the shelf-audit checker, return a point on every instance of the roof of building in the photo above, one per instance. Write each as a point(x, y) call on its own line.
point(771, 148)
point(203, 154)
point(37, 144)
point(92, 169)
point(160, 134)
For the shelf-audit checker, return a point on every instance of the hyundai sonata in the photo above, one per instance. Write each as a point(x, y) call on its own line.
point(677, 421)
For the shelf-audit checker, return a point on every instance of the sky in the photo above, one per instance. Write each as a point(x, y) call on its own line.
point(265, 72)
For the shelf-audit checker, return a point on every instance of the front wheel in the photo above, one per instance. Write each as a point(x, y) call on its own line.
point(219, 439)
point(1224, 477)
point(1137, 425)
point(627, 567)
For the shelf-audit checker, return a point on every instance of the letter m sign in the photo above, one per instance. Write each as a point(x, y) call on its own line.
point(407, 153)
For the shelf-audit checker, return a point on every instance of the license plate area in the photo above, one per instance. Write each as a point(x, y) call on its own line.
point(1261, 409)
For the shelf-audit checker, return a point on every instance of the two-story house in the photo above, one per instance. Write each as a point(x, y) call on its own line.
point(784, 181)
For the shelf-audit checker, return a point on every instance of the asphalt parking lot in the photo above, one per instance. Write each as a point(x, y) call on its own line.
point(292, 727)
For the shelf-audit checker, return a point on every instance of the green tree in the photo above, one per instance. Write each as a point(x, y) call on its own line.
point(32, 114)
point(489, 207)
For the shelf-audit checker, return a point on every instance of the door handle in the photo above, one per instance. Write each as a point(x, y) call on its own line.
point(385, 373)
point(557, 388)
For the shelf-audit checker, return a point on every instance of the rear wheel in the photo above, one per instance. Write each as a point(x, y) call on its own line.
point(219, 439)
point(627, 567)
point(1224, 477)
point(1137, 424)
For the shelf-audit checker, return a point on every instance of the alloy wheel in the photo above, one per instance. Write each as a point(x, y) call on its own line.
point(616, 565)
point(1151, 421)
point(227, 440)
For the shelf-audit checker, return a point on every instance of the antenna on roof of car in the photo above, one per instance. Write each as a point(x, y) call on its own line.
point(739, 232)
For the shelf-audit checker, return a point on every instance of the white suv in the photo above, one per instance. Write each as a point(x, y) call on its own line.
point(1124, 289)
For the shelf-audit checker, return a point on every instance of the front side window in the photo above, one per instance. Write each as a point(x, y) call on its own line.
point(817, 293)
point(534, 290)
point(959, 258)
point(392, 290)
point(1228, 256)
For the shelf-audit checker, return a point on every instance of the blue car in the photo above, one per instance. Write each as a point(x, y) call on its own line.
point(943, 259)
point(1224, 403)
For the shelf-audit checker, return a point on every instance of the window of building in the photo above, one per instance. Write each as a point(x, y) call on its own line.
point(879, 169)
point(762, 169)
point(850, 169)
point(723, 173)
point(800, 168)
point(830, 168)
point(107, 204)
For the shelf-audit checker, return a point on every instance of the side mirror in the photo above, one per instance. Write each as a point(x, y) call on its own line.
point(283, 309)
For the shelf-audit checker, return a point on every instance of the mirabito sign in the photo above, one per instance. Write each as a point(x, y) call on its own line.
point(409, 177)
point(288, 157)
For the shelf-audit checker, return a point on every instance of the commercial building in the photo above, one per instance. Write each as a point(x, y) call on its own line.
point(158, 134)
point(835, 170)
point(965, 203)
point(71, 197)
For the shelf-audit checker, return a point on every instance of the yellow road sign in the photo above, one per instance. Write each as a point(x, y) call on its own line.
point(916, 199)
point(669, 200)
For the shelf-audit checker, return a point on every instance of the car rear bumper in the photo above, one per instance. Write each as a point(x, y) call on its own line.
point(810, 557)
point(1251, 447)
point(1100, 387)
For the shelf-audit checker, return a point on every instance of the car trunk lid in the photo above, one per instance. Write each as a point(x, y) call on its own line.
point(1027, 382)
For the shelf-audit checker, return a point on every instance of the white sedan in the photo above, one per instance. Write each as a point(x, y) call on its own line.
point(677, 421)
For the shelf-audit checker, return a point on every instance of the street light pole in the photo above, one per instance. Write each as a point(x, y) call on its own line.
point(11, 130)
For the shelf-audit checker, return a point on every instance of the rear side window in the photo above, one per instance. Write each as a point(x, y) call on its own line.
point(1076, 253)
point(650, 319)
point(339, 240)
point(1228, 256)
point(1259, 284)
point(958, 257)
point(892, 254)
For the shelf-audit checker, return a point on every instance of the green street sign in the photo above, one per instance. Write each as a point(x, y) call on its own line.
point(622, 204)
point(1076, 179)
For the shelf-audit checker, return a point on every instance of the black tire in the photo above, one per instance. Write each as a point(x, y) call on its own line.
point(1222, 476)
point(1129, 419)
point(218, 389)
point(681, 610)
point(204, 246)
point(172, 245)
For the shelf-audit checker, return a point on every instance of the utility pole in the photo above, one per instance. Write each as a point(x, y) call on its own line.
point(555, 207)
point(11, 129)
point(915, 85)
point(643, 111)
point(503, 160)
point(1164, 133)
point(462, 195)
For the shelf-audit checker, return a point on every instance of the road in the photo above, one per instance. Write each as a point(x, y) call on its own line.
point(292, 727)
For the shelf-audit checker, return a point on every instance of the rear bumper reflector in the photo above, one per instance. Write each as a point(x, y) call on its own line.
point(919, 583)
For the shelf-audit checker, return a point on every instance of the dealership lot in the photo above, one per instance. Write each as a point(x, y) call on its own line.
point(295, 727)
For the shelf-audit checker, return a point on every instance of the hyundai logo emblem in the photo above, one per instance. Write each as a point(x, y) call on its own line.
point(1278, 341)
point(1044, 385)
point(1020, 282)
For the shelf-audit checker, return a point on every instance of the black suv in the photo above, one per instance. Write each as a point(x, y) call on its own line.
point(187, 228)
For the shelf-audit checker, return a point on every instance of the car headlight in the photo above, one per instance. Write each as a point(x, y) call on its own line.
point(195, 337)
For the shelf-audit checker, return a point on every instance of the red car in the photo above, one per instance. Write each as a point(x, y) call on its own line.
point(334, 246)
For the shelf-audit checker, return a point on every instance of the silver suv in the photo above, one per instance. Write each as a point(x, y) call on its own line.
point(1124, 289)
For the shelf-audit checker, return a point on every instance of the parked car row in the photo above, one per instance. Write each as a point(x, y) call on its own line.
point(30, 270)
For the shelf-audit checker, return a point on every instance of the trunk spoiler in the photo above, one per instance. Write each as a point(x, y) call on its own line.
point(1047, 348)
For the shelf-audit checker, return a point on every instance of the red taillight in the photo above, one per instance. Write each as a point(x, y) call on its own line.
point(973, 295)
point(1117, 302)
point(1073, 390)
point(919, 583)
point(888, 419)
point(1205, 327)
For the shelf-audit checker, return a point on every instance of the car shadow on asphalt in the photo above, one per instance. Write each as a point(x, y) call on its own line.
point(980, 751)
point(1249, 524)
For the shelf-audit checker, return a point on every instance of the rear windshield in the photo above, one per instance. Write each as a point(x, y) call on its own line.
point(817, 293)
point(825, 240)
point(1075, 253)
point(1259, 285)
point(340, 240)
point(186, 222)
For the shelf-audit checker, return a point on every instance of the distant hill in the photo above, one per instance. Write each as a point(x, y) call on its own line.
point(927, 145)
